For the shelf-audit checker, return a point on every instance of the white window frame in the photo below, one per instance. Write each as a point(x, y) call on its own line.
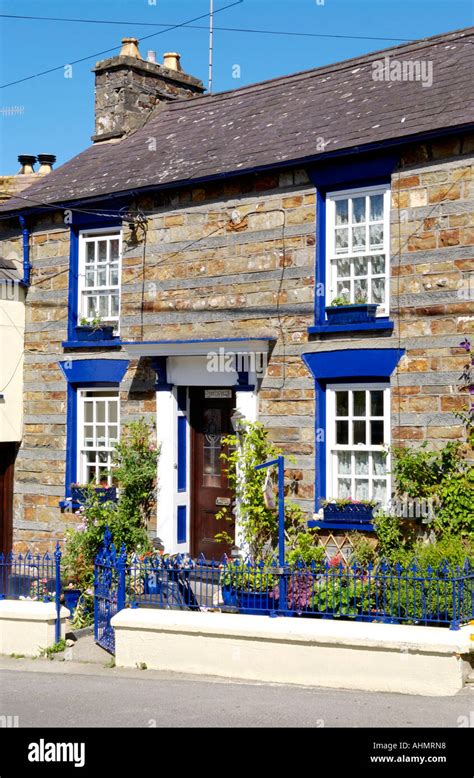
point(82, 449)
point(332, 447)
point(331, 256)
point(86, 236)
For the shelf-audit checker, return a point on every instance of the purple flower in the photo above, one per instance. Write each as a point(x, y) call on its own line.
point(466, 344)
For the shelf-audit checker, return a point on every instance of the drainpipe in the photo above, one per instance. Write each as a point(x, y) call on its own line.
point(26, 252)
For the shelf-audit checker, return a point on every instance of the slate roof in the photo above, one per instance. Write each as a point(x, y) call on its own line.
point(276, 122)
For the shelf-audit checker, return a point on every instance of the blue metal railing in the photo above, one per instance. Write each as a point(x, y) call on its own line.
point(34, 577)
point(383, 593)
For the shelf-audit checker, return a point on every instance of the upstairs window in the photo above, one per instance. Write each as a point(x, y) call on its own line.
point(358, 434)
point(358, 246)
point(99, 276)
point(98, 432)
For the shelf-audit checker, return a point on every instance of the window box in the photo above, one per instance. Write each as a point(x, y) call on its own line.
point(352, 514)
point(352, 314)
point(104, 493)
point(85, 332)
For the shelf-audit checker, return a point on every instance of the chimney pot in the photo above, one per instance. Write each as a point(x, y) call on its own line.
point(130, 48)
point(26, 161)
point(151, 56)
point(171, 60)
point(46, 163)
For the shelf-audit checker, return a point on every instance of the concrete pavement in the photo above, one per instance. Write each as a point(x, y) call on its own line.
point(73, 694)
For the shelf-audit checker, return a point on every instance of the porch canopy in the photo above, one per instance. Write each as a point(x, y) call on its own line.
point(236, 362)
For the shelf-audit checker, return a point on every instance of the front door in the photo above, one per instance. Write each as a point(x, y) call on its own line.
point(211, 411)
point(7, 460)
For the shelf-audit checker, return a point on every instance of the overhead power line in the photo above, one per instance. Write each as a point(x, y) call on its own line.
point(205, 27)
point(114, 48)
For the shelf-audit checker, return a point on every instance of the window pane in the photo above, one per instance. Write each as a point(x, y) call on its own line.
point(102, 277)
point(113, 408)
point(344, 462)
point(379, 491)
point(344, 290)
point(100, 437)
point(378, 290)
point(90, 281)
point(358, 238)
point(376, 433)
point(376, 402)
point(114, 275)
point(361, 489)
point(376, 207)
point(88, 412)
point(361, 461)
point(342, 239)
point(343, 268)
point(100, 411)
point(90, 252)
point(103, 307)
point(358, 209)
point(114, 310)
point(102, 250)
point(379, 463)
point(378, 264)
point(360, 266)
point(114, 249)
point(376, 235)
point(342, 403)
point(359, 403)
point(342, 432)
point(343, 488)
point(360, 290)
point(88, 436)
point(358, 430)
point(91, 307)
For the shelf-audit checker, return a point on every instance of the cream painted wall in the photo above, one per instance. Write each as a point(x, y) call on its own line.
point(12, 329)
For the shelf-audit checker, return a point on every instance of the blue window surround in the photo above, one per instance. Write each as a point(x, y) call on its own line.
point(84, 373)
point(83, 222)
point(361, 171)
point(345, 365)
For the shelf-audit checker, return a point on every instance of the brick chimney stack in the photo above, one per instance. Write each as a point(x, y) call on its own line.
point(128, 88)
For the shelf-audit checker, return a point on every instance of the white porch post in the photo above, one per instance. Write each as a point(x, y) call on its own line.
point(166, 438)
point(246, 404)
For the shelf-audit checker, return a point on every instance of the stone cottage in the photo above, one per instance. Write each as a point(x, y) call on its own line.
point(212, 241)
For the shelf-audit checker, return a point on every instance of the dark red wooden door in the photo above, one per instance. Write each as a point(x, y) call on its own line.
point(210, 423)
point(7, 460)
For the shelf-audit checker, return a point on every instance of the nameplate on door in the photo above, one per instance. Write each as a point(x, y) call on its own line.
point(217, 394)
point(222, 500)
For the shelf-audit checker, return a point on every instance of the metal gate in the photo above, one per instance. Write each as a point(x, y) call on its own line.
point(109, 591)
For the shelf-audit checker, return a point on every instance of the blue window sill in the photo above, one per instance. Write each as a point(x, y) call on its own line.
point(92, 344)
point(383, 323)
point(340, 525)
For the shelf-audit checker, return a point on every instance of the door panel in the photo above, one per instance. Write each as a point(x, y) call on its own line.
point(7, 459)
point(210, 422)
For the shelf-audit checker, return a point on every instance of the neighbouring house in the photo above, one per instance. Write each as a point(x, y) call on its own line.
point(188, 266)
point(14, 279)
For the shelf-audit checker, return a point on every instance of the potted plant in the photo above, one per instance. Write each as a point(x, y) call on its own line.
point(71, 597)
point(349, 510)
point(341, 311)
point(254, 588)
point(94, 329)
point(104, 492)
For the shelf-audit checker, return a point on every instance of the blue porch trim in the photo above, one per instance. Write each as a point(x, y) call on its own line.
point(84, 373)
point(345, 365)
point(340, 525)
point(181, 524)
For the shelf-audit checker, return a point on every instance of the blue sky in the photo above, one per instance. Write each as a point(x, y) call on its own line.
point(55, 114)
